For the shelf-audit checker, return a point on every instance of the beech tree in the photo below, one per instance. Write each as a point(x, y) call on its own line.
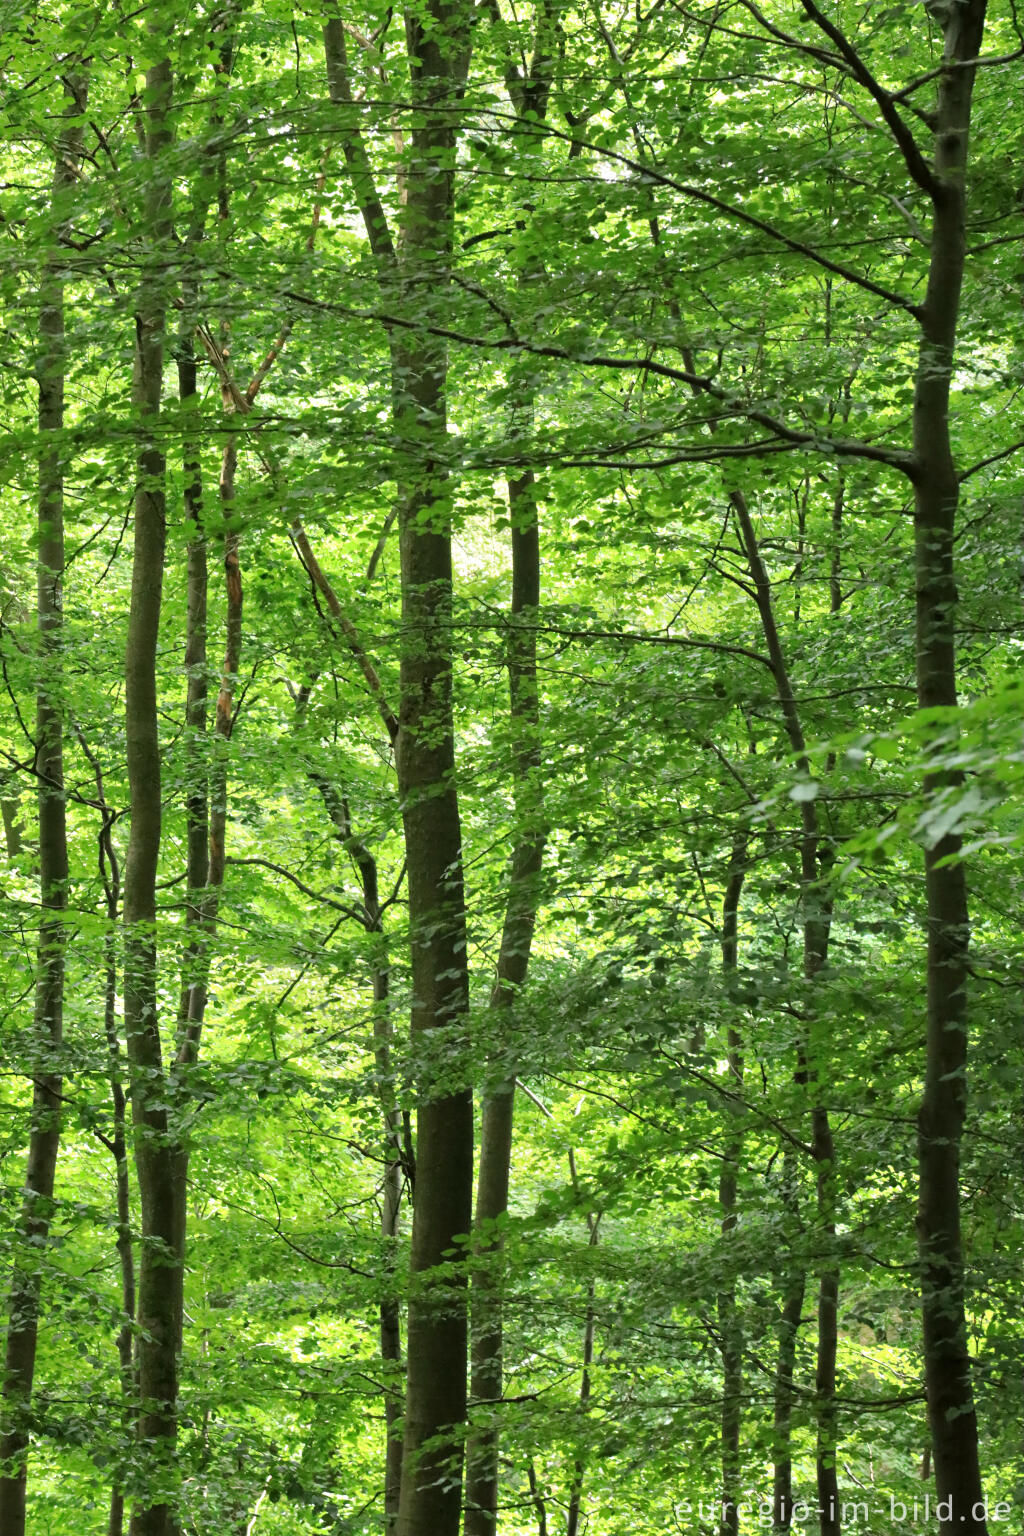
point(48, 770)
point(606, 799)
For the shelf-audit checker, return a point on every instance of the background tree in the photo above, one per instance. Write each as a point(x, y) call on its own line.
point(662, 283)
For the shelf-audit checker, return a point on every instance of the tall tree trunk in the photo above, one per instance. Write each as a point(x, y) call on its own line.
point(436, 1384)
point(395, 1160)
point(197, 807)
point(529, 92)
point(398, 1157)
point(431, 1496)
point(438, 45)
point(730, 1329)
point(513, 961)
point(399, 1160)
point(125, 1246)
point(33, 1229)
point(574, 1508)
point(156, 1160)
point(785, 1368)
point(398, 1154)
point(823, 1151)
point(117, 1143)
point(435, 1405)
point(951, 1409)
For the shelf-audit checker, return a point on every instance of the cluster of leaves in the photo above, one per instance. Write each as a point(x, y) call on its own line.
point(699, 269)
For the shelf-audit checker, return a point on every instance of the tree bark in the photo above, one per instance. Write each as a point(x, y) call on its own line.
point(950, 1396)
point(513, 962)
point(783, 1395)
point(125, 1246)
point(435, 1406)
point(34, 1220)
point(117, 1143)
point(529, 91)
point(730, 1328)
point(156, 1157)
point(574, 1508)
point(391, 1186)
point(14, 832)
point(197, 807)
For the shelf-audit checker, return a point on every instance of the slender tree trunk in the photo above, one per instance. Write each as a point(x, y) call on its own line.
point(815, 863)
point(513, 962)
point(117, 1144)
point(197, 807)
point(950, 1397)
point(208, 794)
point(14, 832)
point(574, 1509)
point(435, 1406)
point(529, 92)
point(785, 1367)
point(119, 1151)
point(33, 1230)
point(395, 1163)
point(398, 1154)
point(537, 1499)
point(161, 1262)
point(828, 1333)
point(398, 1151)
point(413, 273)
point(729, 1326)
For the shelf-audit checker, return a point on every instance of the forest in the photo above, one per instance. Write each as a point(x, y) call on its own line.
point(511, 760)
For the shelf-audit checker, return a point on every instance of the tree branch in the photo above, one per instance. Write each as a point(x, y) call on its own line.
point(918, 167)
point(896, 458)
point(328, 901)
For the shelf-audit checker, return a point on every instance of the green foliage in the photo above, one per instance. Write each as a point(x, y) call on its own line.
point(698, 268)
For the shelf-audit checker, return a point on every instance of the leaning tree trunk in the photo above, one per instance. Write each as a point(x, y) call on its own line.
point(160, 1268)
point(34, 1219)
point(951, 1409)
